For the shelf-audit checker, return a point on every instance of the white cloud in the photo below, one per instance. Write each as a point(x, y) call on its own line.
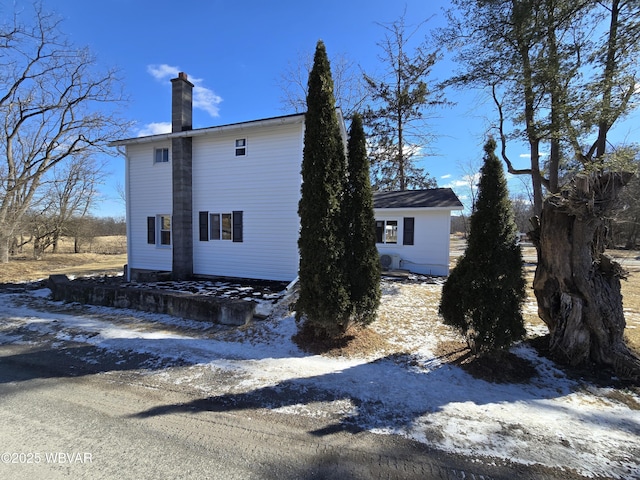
point(468, 180)
point(455, 184)
point(163, 72)
point(203, 98)
point(155, 129)
point(528, 155)
point(448, 175)
point(206, 100)
point(463, 182)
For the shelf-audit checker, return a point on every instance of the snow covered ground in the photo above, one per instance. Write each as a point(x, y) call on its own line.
point(554, 421)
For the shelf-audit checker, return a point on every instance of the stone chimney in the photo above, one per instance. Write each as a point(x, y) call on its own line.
point(181, 103)
point(181, 158)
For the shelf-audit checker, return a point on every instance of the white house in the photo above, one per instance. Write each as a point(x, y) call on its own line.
point(412, 229)
point(223, 201)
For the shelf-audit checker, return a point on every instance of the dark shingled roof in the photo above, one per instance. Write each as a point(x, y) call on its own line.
point(432, 198)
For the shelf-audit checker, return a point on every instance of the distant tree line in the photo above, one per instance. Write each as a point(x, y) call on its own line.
point(40, 233)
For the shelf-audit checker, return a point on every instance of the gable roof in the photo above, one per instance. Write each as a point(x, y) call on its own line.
point(431, 198)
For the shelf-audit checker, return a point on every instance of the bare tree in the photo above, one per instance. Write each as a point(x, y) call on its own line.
point(349, 90)
point(522, 211)
point(73, 191)
point(54, 106)
point(470, 170)
point(121, 193)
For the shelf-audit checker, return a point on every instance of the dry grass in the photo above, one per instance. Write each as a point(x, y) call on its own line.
point(99, 261)
point(356, 341)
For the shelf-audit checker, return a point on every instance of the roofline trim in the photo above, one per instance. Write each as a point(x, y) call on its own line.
point(285, 120)
point(417, 209)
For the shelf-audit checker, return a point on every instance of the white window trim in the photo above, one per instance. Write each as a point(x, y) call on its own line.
point(159, 231)
point(384, 231)
point(241, 147)
point(220, 228)
point(155, 155)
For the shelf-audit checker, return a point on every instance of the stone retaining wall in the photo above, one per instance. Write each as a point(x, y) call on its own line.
point(195, 307)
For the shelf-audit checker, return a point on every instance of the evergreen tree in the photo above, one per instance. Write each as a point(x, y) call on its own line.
point(400, 102)
point(362, 263)
point(324, 297)
point(484, 293)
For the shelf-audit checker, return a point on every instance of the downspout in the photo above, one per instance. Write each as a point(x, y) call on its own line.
point(127, 200)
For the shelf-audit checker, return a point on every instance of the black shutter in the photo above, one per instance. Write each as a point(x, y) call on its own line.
point(203, 226)
point(409, 223)
point(379, 231)
point(151, 230)
point(237, 226)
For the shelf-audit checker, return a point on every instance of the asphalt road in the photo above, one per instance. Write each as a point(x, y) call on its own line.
point(63, 418)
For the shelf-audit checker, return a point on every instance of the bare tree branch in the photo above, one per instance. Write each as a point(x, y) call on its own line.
point(348, 89)
point(56, 106)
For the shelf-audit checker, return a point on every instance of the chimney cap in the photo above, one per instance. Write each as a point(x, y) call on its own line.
point(182, 77)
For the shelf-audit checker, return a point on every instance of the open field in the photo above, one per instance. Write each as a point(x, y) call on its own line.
point(104, 256)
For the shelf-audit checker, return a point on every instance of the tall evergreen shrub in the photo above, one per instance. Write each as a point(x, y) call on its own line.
point(362, 262)
point(484, 293)
point(324, 303)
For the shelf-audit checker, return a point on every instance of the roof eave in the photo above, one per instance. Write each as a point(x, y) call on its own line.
point(418, 209)
point(287, 120)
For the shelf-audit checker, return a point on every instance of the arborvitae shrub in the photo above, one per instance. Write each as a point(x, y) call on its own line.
point(323, 303)
point(362, 262)
point(484, 293)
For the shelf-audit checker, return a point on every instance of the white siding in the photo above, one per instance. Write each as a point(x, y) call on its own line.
point(265, 186)
point(148, 195)
point(429, 255)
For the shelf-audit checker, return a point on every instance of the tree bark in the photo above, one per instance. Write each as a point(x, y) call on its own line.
point(576, 284)
point(4, 248)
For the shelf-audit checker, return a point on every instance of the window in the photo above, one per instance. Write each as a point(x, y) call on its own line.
point(241, 147)
point(226, 226)
point(161, 155)
point(215, 227)
point(221, 226)
point(159, 228)
point(386, 231)
point(165, 229)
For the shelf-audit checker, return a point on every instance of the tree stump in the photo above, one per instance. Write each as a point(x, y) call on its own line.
point(576, 284)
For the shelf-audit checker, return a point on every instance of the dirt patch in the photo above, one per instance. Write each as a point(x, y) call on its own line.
point(499, 367)
point(452, 351)
point(494, 367)
point(356, 342)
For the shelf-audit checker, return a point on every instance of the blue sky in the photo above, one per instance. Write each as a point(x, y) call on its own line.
point(236, 51)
